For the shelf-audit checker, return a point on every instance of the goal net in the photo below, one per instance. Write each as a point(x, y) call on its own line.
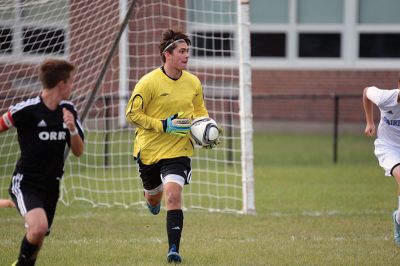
point(108, 66)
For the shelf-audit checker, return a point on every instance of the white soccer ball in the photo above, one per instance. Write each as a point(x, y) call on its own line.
point(204, 131)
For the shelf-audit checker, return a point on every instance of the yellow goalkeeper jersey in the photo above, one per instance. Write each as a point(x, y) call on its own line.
point(156, 97)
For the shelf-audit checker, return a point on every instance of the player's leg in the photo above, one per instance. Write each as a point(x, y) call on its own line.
point(50, 201)
point(6, 203)
point(37, 226)
point(152, 185)
point(153, 199)
point(29, 203)
point(173, 204)
point(389, 160)
point(176, 173)
point(396, 214)
point(31, 244)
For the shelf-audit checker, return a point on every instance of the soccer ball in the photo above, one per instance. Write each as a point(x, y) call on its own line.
point(204, 131)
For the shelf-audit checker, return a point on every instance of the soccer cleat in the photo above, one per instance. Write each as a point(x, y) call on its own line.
point(174, 256)
point(154, 209)
point(396, 230)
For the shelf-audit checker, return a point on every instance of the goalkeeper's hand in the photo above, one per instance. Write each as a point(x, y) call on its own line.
point(217, 141)
point(176, 126)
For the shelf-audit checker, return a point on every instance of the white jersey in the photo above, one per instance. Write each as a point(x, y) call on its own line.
point(389, 125)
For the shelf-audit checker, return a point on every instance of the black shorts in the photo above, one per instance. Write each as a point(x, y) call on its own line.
point(152, 174)
point(29, 194)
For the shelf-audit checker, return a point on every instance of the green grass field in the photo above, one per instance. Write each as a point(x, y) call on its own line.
point(309, 212)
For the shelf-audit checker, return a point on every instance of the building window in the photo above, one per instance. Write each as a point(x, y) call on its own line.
point(33, 28)
point(5, 40)
point(211, 11)
point(212, 26)
point(319, 45)
point(268, 44)
point(215, 44)
point(43, 41)
point(379, 12)
point(379, 45)
point(269, 11)
point(320, 11)
point(379, 29)
point(273, 25)
point(325, 33)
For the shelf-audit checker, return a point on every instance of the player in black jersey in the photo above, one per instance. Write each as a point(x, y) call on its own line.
point(44, 124)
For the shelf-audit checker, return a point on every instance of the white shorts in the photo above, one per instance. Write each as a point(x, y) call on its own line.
point(388, 157)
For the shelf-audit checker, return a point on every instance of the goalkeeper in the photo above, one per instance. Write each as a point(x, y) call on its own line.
point(162, 105)
point(45, 124)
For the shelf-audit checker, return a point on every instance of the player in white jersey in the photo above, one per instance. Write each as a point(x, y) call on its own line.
point(45, 125)
point(387, 143)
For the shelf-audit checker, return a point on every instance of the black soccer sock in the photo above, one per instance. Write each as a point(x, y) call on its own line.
point(174, 227)
point(26, 252)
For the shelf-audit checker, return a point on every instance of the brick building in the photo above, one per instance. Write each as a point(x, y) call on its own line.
point(297, 47)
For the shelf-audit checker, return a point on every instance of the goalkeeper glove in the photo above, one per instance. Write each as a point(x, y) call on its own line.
point(215, 142)
point(176, 126)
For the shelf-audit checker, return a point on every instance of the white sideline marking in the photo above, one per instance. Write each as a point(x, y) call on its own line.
point(108, 241)
point(87, 241)
point(90, 241)
point(339, 238)
point(329, 213)
point(90, 215)
point(245, 240)
point(87, 215)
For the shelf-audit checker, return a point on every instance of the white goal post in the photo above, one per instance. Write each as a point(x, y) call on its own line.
point(113, 43)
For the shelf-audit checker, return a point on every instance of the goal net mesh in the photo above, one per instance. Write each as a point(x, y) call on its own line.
point(84, 32)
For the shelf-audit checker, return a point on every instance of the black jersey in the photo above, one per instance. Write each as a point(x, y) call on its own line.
point(42, 135)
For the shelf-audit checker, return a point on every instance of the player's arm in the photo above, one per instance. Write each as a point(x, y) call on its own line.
point(173, 124)
point(137, 104)
point(135, 114)
point(6, 121)
point(369, 113)
point(199, 106)
point(76, 141)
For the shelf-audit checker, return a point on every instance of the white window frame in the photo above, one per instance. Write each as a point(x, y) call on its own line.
point(17, 24)
point(349, 30)
point(220, 61)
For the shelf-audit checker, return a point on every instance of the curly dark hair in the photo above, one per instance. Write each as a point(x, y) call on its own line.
point(168, 38)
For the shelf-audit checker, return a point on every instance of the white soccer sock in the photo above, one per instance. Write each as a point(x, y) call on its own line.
point(398, 213)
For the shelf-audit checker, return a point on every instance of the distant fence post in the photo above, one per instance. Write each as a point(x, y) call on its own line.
point(335, 126)
point(336, 101)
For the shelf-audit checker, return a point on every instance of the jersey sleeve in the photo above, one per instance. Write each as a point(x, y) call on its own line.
point(6, 121)
point(198, 103)
point(383, 98)
point(136, 109)
point(18, 114)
